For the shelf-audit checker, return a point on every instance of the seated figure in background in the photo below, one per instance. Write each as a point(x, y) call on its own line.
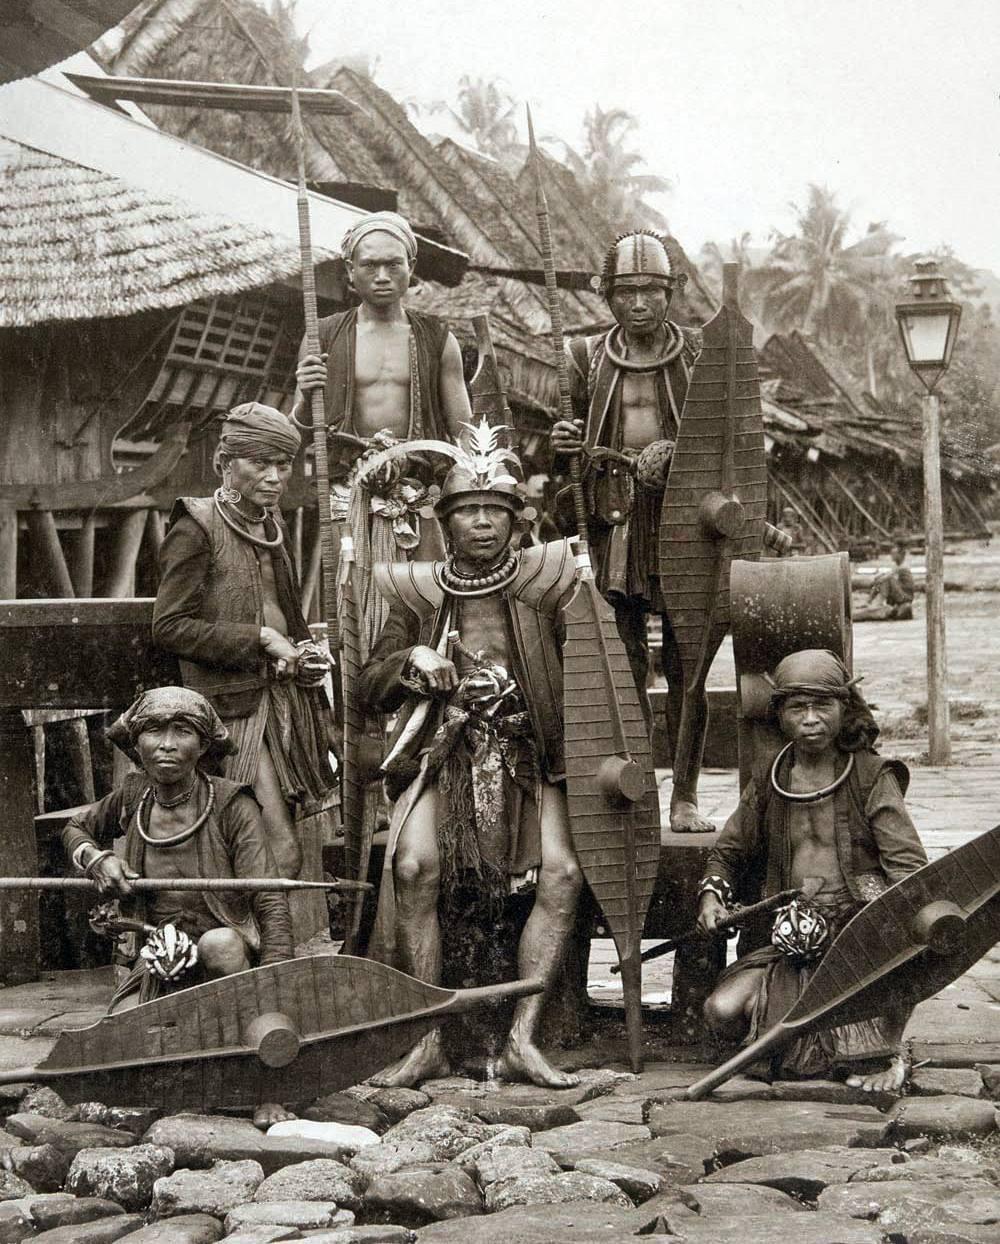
point(890, 598)
point(826, 807)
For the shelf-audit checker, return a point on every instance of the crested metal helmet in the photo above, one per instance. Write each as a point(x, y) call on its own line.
point(639, 253)
point(481, 475)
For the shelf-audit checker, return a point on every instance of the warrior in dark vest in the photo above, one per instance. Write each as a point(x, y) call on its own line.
point(629, 387)
point(826, 807)
point(471, 660)
point(389, 375)
point(229, 607)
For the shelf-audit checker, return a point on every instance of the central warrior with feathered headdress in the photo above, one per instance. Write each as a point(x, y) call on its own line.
point(471, 660)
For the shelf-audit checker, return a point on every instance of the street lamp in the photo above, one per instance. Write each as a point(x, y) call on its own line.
point(928, 326)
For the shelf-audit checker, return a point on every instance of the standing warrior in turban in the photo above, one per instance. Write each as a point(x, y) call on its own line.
point(471, 659)
point(389, 375)
point(629, 387)
point(827, 806)
point(229, 607)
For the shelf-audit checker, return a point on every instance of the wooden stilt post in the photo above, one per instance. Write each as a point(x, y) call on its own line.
point(8, 552)
point(45, 545)
point(310, 583)
point(19, 950)
point(297, 525)
point(121, 577)
point(83, 559)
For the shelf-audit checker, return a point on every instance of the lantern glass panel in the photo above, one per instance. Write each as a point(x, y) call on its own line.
point(926, 337)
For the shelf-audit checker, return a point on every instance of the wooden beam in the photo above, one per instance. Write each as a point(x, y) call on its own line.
point(310, 583)
point(121, 576)
point(46, 547)
point(83, 557)
point(857, 504)
point(8, 552)
point(234, 96)
point(298, 520)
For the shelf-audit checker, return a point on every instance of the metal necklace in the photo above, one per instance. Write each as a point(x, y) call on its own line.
point(810, 796)
point(184, 834)
point(675, 343)
point(175, 803)
point(261, 541)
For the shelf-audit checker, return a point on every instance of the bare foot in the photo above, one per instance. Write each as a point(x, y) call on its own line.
point(426, 1061)
point(890, 1080)
point(270, 1112)
point(686, 819)
point(522, 1060)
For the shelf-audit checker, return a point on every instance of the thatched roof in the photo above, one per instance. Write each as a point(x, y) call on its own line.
point(76, 244)
point(44, 32)
point(101, 215)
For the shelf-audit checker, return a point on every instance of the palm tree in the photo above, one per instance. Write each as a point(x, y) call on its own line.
point(712, 256)
point(813, 282)
point(485, 113)
point(606, 169)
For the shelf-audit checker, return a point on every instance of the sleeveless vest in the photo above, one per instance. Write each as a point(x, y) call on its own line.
point(545, 576)
point(232, 592)
point(338, 338)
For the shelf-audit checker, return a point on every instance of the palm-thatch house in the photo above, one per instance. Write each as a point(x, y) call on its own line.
point(849, 466)
point(148, 285)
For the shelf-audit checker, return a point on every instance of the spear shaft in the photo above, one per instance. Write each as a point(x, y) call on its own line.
point(321, 468)
point(151, 885)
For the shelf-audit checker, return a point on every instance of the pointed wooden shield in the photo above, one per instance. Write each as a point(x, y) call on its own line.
point(715, 501)
point(905, 946)
point(614, 812)
point(288, 1032)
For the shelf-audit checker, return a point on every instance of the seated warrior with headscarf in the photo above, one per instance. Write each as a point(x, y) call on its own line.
point(826, 814)
point(228, 605)
point(178, 821)
point(388, 375)
point(471, 659)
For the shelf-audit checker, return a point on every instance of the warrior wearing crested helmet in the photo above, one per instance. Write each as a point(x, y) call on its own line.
point(628, 388)
point(471, 659)
point(389, 375)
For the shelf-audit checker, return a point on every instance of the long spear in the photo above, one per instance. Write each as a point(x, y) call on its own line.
point(156, 885)
point(317, 408)
point(611, 793)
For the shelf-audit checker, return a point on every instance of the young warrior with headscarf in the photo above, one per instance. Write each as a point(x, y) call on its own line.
point(178, 821)
point(471, 659)
point(628, 388)
point(389, 375)
point(229, 607)
point(827, 807)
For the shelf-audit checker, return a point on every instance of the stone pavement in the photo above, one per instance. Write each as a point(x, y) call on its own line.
point(618, 1158)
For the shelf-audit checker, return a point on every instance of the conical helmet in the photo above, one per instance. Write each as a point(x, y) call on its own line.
point(640, 253)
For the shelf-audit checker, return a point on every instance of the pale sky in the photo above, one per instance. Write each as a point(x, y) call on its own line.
point(741, 103)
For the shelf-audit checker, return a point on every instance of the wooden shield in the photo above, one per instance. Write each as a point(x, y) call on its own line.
point(715, 501)
point(608, 759)
point(903, 947)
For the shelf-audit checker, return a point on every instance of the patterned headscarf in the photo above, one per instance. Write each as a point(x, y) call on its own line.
point(255, 431)
point(813, 671)
point(166, 704)
point(380, 222)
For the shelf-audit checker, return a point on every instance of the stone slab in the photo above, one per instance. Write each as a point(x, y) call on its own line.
point(198, 1140)
point(737, 1200)
point(806, 1172)
point(527, 1105)
point(580, 1140)
point(185, 1229)
point(104, 1231)
point(950, 1081)
point(902, 1204)
point(750, 1129)
point(946, 1115)
point(580, 1222)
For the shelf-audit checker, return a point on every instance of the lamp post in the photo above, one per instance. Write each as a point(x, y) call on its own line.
point(928, 326)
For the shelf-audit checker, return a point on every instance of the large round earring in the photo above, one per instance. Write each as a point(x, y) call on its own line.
point(232, 495)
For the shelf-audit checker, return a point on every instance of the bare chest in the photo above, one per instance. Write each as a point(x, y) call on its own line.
point(812, 823)
point(641, 419)
point(482, 626)
point(382, 355)
point(273, 615)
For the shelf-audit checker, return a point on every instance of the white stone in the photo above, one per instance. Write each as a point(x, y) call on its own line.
point(347, 1134)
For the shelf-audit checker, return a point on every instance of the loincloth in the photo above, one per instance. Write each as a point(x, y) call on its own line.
point(290, 724)
point(816, 1053)
point(486, 769)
